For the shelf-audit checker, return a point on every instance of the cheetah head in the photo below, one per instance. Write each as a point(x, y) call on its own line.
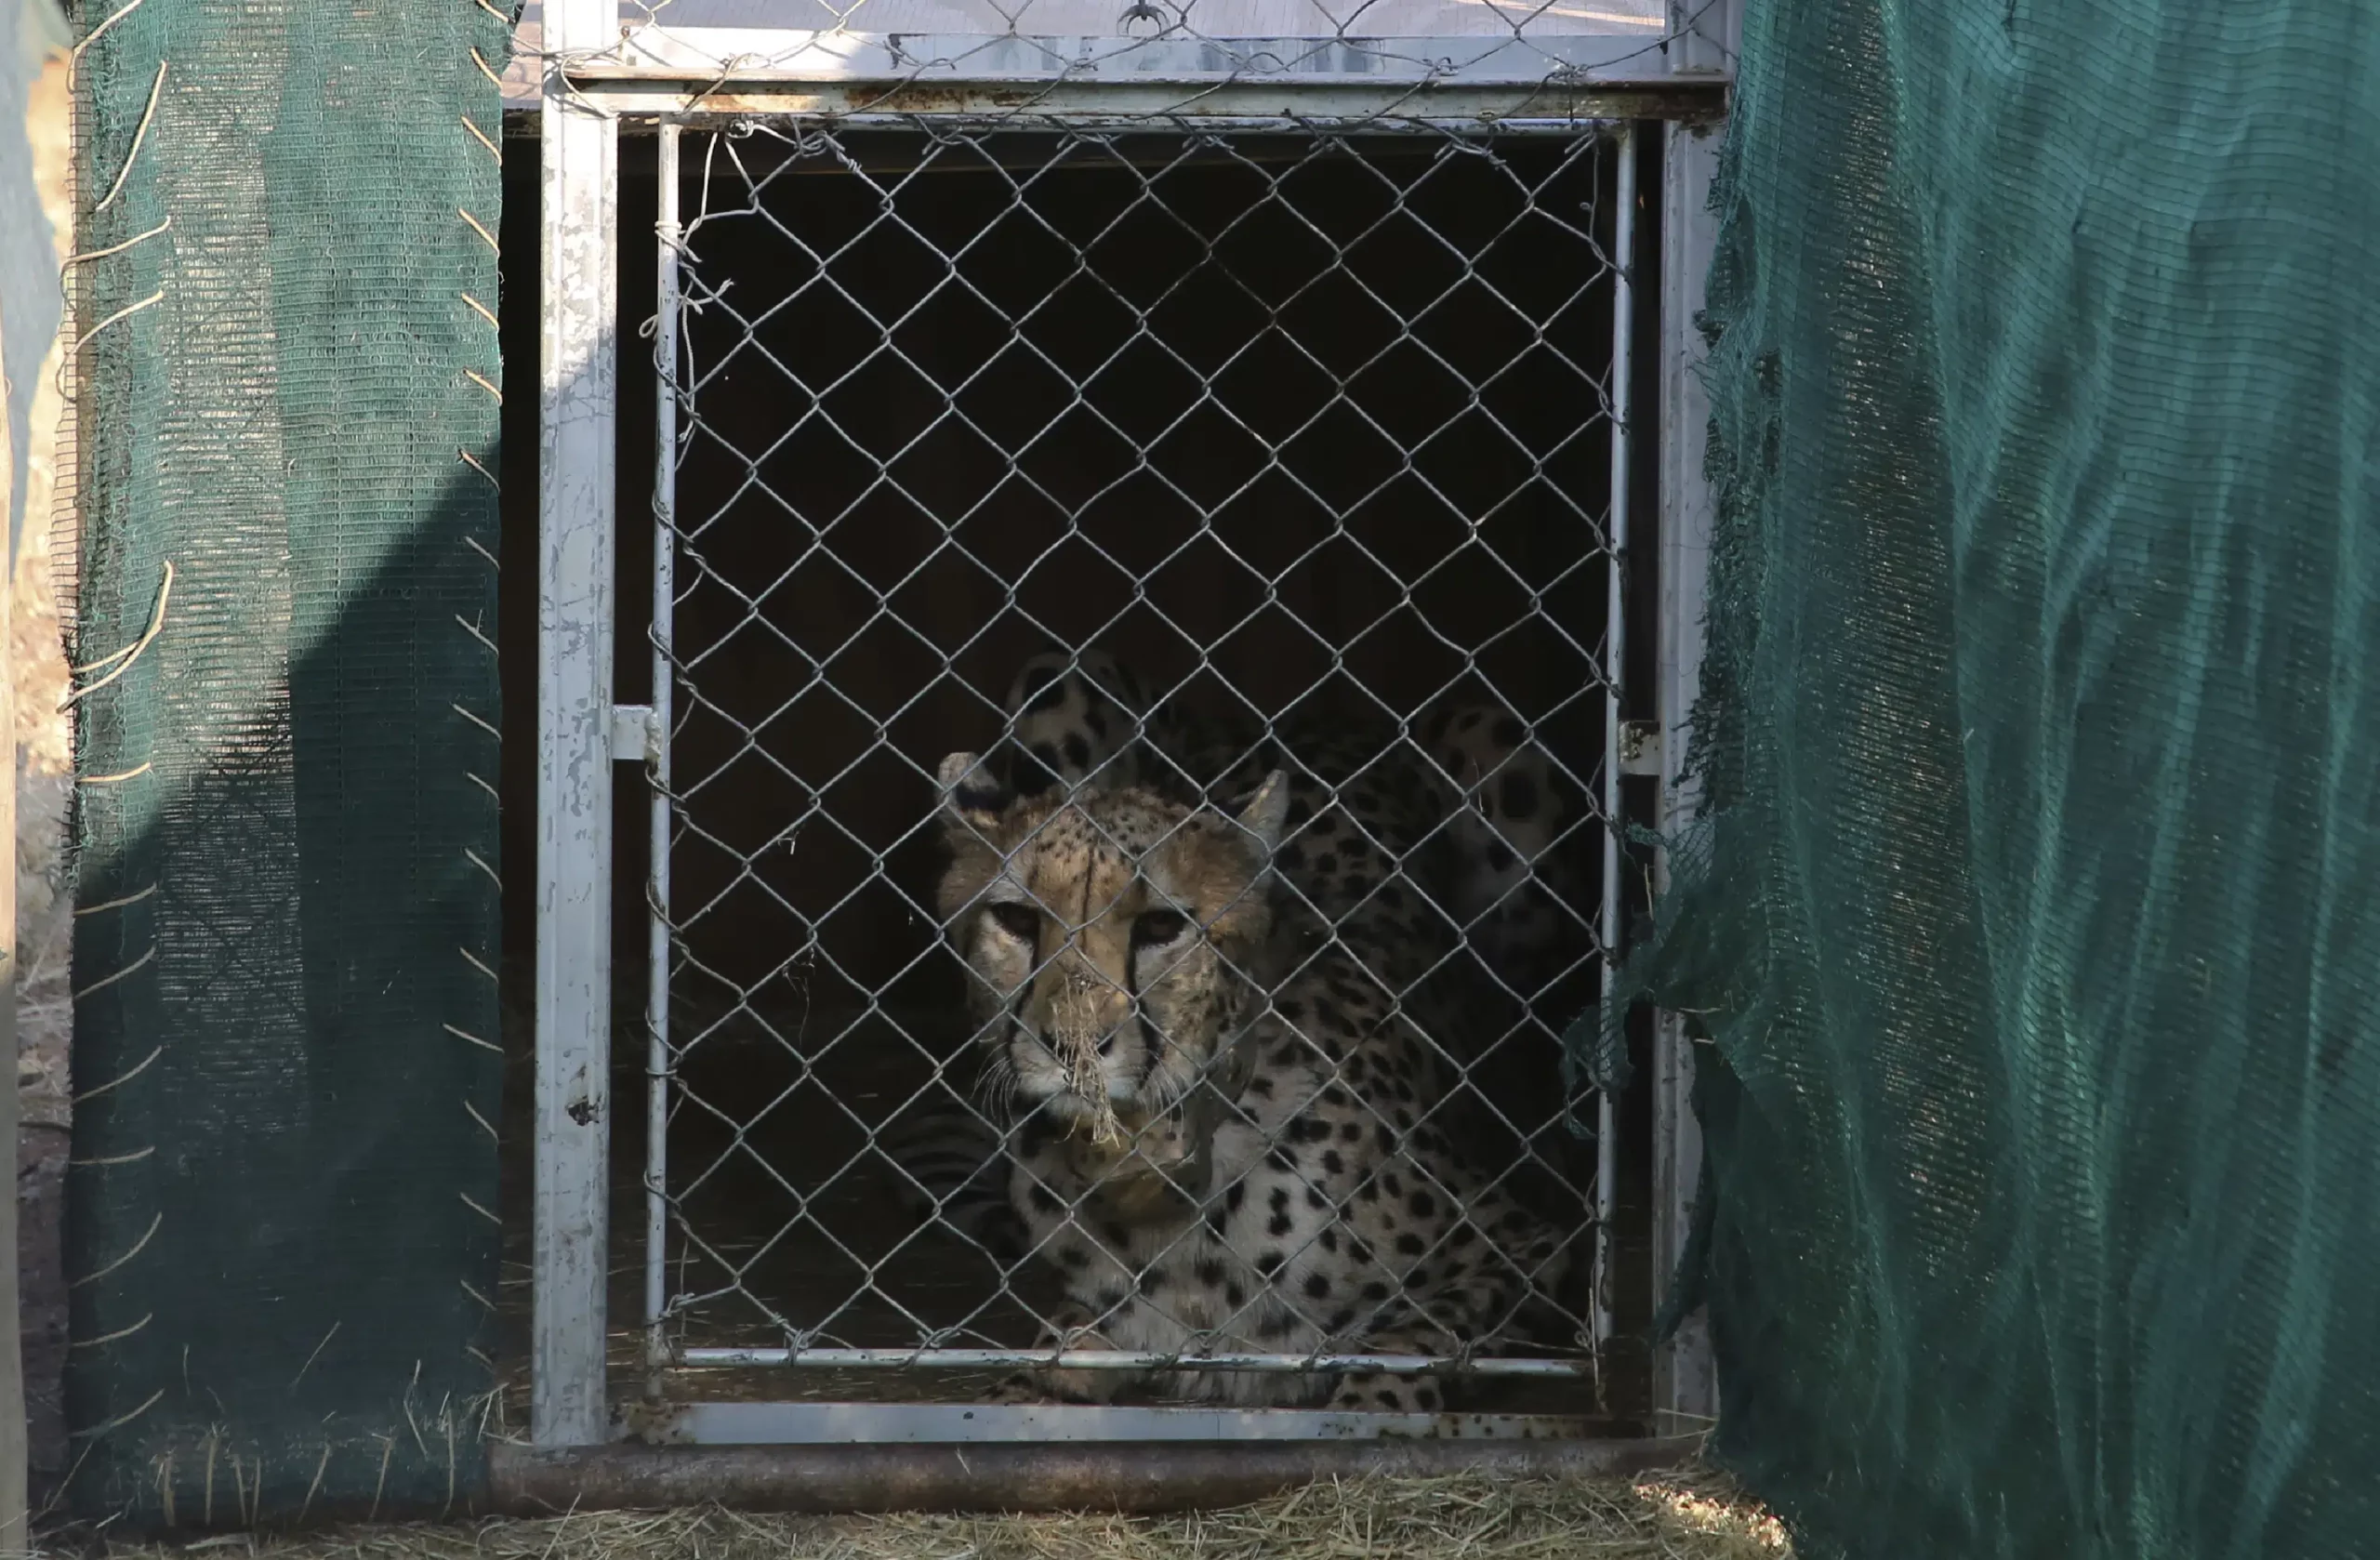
point(1118, 939)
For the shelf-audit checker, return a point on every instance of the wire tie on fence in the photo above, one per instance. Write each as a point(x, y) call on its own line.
point(473, 960)
point(477, 721)
point(472, 461)
point(494, 80)
point(68, 359)
point(473, 631)
point(116, 779)
point(132, 1158)
point(118, 904)
point(73, 260)
point(96, 34)
point(473, 1112)
point(482, 784)
point(483, 866)
point(493, 149)
point(139, 134)
point(106, 981)
point(481, 228)
point(471, 1203)
point(137, 1246)
point(119, 1334)
point(476, 1295)
point(126, 1077)
point(472, 542)
point(97, 1430)
point(498, 15)
point(485, 312)
point(475, 376)
point(130, 654)
point(466, 1035)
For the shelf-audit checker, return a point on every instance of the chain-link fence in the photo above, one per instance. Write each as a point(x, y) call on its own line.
point(1147, 462)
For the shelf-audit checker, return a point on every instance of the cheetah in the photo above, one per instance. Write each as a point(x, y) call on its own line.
point(1082, 718)
point(1228, 1134)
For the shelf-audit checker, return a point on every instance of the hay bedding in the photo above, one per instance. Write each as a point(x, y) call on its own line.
point(1680, 1517)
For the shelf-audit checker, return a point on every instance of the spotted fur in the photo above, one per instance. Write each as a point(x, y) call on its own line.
point(1512, 811)
point(1229, 1123)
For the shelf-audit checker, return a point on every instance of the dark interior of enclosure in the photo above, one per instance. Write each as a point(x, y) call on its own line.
point(1308, 432)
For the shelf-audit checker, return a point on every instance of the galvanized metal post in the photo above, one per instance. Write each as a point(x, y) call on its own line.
point(664, 600)
point(1685, 1392)
point(1615, 669)
point(577, 412)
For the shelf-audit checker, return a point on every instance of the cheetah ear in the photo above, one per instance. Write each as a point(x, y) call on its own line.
point(1267, 812)
point(973, 796)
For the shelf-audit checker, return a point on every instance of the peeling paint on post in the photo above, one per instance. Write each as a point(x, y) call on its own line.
point(579, 383)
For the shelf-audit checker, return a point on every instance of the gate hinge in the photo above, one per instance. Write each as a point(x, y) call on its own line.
point(1640, 748)
point(632, 733)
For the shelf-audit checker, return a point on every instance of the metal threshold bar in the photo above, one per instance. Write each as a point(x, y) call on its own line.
point(783, 1424)
point(1122, 1360)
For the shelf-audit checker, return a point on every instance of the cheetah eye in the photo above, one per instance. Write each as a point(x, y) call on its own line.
point(1019, 921)
point(1154, 928)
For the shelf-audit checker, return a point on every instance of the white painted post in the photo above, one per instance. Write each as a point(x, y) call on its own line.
point(1686, 1394)
point(1615, 671)
point(576, 523)
point(658, 817)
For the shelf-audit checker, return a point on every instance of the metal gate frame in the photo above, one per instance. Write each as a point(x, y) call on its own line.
point(592, 80)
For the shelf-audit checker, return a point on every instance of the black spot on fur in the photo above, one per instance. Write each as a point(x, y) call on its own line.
point(1331, 1163)
point(1269, 1263)
point(1508, 734)
point(1279, 1225)
point(1499, 856)
point(1234, 1296)
point(1314, 1199)
point(1520, 796)
point(1317, 1287)
point(1410, 1245)
point(1210, 1272)
point(1038, 1196)
point(1238, 1194)
point(1423, 1205)
point(1042, 688)
point(1077, 751)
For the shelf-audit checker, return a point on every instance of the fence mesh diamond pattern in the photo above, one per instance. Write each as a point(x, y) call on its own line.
point(1287, 450)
